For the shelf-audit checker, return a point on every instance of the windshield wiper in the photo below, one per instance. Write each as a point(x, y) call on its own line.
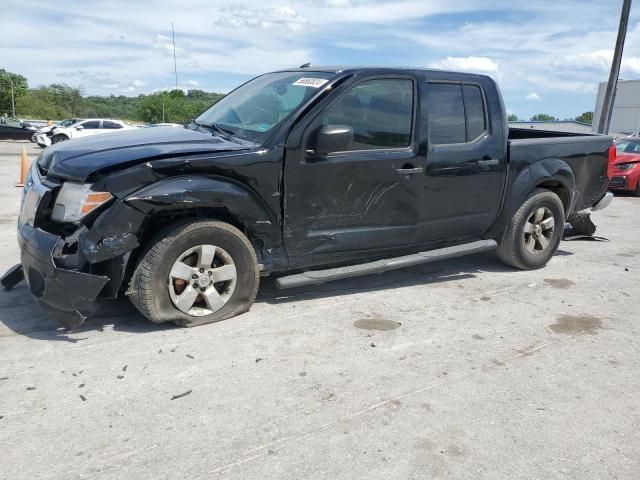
point(224, 132)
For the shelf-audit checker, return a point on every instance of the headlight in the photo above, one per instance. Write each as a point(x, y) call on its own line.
point(76, 200)
point(623, 167)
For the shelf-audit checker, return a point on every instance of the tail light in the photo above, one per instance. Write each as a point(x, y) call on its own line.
point(612, 160)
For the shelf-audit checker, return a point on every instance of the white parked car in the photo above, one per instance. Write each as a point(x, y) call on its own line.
point(89, 126)
point(47, 129)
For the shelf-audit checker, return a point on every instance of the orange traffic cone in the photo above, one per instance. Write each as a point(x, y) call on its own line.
point(24, 167)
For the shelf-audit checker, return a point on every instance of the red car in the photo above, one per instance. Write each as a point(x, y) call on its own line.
point(626, 167)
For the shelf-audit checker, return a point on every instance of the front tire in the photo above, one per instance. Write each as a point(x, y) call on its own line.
point(59, 138)
point(534, 233)
point(196, 272)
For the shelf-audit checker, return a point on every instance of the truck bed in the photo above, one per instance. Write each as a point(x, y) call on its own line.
point(586, 154)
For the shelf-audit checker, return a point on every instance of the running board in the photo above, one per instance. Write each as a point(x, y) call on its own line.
point(317, 277)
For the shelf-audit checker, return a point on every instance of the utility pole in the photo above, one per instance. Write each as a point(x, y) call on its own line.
point(610, 93)
point(175, 65)
point(13, 100)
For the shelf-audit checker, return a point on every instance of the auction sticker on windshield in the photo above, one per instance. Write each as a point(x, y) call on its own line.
point(310, 82)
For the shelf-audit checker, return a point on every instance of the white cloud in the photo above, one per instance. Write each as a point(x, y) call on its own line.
point(138, 83)
point(467, 64)
point(193, 83)
point(534, 97)
point(241, 15)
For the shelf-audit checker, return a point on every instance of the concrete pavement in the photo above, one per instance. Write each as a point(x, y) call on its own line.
point(460, 369)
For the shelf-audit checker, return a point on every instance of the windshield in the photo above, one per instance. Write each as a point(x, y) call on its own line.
point(67, 122)
point(628, 146)
point(254, 109)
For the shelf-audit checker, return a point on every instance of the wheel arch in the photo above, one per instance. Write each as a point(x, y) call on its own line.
point(216, 198)
point(552, 174)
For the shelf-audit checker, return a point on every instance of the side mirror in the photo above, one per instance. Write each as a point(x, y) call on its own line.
point(334, 138)
point(79, 127)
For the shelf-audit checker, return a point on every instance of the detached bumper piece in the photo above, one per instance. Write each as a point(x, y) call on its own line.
point(67, 295)
point(604, 202)
point(12, 277)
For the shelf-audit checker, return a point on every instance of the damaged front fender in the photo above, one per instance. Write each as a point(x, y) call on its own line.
point(114, 233)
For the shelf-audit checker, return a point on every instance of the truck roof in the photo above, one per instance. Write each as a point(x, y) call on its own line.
point(353, 69)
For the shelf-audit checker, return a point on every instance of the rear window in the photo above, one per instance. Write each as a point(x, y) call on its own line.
point(457, 113)
point(112, 125)
point(474, 111)
point(445, 108)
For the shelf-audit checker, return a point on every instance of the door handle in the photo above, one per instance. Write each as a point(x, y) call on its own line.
point(409, 171)
point(488, 162)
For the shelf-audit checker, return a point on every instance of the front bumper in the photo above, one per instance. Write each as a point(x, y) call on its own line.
point(68, 295)
point(618, 183)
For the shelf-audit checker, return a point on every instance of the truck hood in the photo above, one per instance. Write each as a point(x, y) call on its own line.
point(80, 158)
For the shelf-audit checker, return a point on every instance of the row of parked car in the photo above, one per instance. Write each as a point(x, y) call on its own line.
point(82, 127)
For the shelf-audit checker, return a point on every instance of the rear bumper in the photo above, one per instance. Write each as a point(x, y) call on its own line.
point(68, 295)
point(604, 202)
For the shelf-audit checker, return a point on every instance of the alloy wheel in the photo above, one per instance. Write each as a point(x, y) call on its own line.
point(202, 280)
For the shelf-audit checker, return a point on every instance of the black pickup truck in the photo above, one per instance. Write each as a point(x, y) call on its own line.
point(310, 174)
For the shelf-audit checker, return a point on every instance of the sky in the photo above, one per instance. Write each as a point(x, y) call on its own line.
point(547, 56)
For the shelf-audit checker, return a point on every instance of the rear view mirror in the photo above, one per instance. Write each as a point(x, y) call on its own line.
point(334, 138)
point(79, 127)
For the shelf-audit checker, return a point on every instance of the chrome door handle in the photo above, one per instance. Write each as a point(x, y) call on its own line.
point(409, 171)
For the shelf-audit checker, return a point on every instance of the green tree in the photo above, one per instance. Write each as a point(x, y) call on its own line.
point(20, 89)
point(586, 117)
point(69, 98)
point(543, 117)
point(512, 117)
point(40, 103)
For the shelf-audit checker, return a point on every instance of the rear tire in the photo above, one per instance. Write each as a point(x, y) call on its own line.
point(534, 233)
point(195, 272)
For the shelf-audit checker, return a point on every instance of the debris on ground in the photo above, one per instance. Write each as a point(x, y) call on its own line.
point(258, 359)
point(189, 356)
point(175, 397)
point(83, 398)
point(124, 369)
point(580, 227)
point(31, 388)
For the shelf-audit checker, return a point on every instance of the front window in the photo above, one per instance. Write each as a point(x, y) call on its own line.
point(253, 110)
point(379, 111)
point(628, 146)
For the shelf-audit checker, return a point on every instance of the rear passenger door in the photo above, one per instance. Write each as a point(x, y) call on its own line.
point(109, 126)
point(465, 158)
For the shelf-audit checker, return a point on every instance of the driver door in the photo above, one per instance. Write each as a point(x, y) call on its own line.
point(90, 127)
point(364, 198)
